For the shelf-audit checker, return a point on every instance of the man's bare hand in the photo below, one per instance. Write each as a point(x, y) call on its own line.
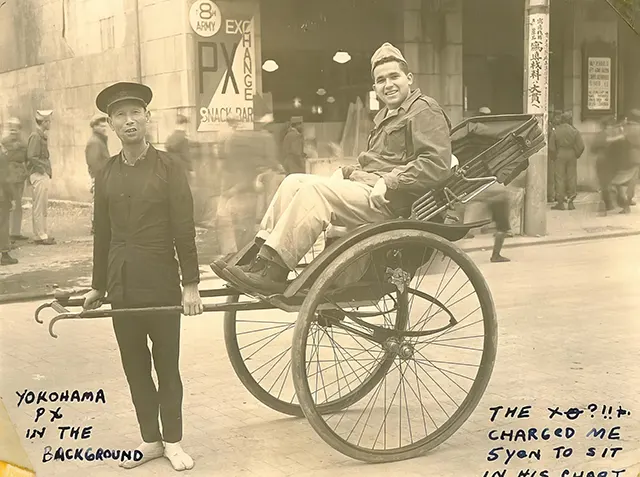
point(93, 300)
point(191, 301)
point(377, 198)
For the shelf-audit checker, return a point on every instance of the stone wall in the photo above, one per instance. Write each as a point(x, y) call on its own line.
point(432, 34)
point(73, 49)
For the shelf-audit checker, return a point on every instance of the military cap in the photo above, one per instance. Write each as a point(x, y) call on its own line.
point(484, 110)
point(97, 118)
point(296, 119)
point(14, 122)
point(42, 114)
point(387, 50)
point(121, 92)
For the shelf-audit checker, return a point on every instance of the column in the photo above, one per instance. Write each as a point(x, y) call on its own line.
point(536, 79)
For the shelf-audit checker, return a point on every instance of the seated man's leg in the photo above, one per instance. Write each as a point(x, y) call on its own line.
point(283, 197)
point(300, 224)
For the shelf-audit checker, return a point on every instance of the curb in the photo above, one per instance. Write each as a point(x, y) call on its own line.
point(544, 241)
point(34, 296)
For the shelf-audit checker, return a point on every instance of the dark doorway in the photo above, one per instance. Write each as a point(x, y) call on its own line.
point(493, 64)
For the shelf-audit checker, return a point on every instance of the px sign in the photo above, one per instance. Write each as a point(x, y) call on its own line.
point(205, 18)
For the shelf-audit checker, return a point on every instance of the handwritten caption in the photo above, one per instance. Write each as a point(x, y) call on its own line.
point(573, 433)
point(48, 418)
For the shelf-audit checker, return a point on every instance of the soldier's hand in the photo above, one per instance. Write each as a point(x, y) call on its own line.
point(93, 300)
point(191, 301)
point(377, 198)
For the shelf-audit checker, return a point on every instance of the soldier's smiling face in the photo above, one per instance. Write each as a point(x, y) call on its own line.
point(129, 121)
point(392, 83)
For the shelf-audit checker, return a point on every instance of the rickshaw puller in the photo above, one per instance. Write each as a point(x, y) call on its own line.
point(409, 151)
point(143, 215)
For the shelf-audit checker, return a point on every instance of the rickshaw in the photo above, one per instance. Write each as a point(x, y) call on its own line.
point(342, 337)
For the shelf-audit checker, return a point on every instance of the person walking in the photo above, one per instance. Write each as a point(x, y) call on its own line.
point(40, 175)
point(6, 197)
point(293, 148)
point(566, 146)
point(143, 220)
point(96, 152)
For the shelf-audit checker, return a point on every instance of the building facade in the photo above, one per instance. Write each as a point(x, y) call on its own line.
point(305, 58)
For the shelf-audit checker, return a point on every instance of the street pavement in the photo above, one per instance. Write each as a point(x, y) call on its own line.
point(569, 329)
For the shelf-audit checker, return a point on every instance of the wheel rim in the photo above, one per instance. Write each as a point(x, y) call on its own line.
point(259, 348)
point(416, 403)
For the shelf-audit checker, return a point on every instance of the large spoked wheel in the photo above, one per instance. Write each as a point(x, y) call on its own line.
point(259, 349)
point(427, 357)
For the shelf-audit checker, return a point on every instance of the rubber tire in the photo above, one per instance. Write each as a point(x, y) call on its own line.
point(306, 313)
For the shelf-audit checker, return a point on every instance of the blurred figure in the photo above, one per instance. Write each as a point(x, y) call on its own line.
point(632, 134)
point(96, 152)
point(603, 146)
point(177, 145)
point(40, 175)
point(16, 150)
point(6, 197)
point(248, 157)
point(496, 197)
point(293, 148)
point(565, 146)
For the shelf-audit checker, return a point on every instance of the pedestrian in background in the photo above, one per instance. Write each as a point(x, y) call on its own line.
point(177, 145)
point(566, 146)
point(16, 150)
point(554, 120)
point(248, 158)
point(40, 175)
point(605, 161)
point(293, 148)
point(96, 152)
point(6, 197)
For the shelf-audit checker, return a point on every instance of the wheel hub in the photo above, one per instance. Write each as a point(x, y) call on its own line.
point(403, 349)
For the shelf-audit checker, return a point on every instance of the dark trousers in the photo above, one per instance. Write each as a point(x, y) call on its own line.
point(551, 180)
point(5, 216)
point(164, 330)
point(566, 171)
point(605, 172)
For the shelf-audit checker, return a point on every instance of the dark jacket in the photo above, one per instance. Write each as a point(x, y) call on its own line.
point(38, 160)
point(177, 145)
point(293, 152)
point(139, 229)
point(410, 148)
point(565, 142)
point(96, 153)
point(16, 158)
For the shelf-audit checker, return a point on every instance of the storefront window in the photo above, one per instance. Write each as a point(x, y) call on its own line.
point(319, 53)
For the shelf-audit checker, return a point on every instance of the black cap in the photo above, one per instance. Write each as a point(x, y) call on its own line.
point(123, 91)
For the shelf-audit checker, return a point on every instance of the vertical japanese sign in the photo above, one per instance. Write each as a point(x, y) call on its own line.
point(226, 62)
point(538, 64)
point(599, 84)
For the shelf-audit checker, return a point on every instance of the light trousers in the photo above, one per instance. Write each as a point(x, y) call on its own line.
point(305, 205)
point(40, 183)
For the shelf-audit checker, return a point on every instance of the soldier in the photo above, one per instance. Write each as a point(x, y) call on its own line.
point(143, 216)
point(409, 153)
point(6, 196)
point(565, 146)
point(17, 175)
point(96, 151)
point(293, 148)
point(40, 175)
